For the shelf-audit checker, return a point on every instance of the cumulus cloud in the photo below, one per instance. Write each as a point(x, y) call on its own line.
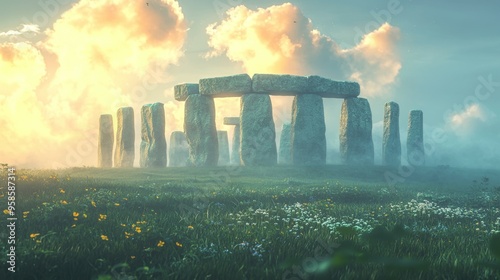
point(109, 53)
point(475, 120)
point(280, 39)
point(22, 67)
point(23, 29)
point(374, 62)
point(471, 113)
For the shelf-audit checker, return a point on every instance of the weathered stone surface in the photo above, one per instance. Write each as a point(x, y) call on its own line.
point(125, 138)
point(178, 152)
point(415, 139)
point(356, 143)
point(279, 84)
point(182, 91)
point(105, 141)
point(223, 148)
point(308, 130)
point(332, 89)
point(230, 86)
point(232, 120)
point(235, 149)
point(391, 145)
point(285, 154)
point(273, 84)
point(153, 144)
point(200, 130)
point(258, 146)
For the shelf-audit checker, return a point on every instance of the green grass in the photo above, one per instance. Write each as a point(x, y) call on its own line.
point(331, 222)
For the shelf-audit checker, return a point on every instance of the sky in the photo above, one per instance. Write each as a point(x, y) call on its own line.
point(63, 63)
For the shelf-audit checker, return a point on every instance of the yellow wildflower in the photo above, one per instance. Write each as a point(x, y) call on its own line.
point(93, 203)
point(138, 229)
point(34, 235)
point(104, 237)
point(117, 204)
point(190, 227)
point(64, 202)
point(160, 243)
point(76, 214)
point(62, 191)
point(102, 217)
point(132, 257)
point(178, 244)
point(6, 212)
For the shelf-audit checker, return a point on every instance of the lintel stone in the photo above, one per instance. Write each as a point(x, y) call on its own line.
point(229, 86)
point(182, 91)
point(279, 84)
point(327, 88)
point(232, 121)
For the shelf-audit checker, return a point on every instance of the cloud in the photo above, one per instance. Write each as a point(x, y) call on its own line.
point(105, 54)
point(475, 119)
point(374, 62)
point(25, 28)
point(473, 112)
point(22, 67)
point(280, 39)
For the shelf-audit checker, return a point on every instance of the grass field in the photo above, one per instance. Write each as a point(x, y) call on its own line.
point(330, 222)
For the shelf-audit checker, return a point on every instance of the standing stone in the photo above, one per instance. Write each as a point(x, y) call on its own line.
point(178, 152)
point(153, 144)
point(235, 149)
point(356, 143)
point(391, 146)
point(105, 143)
point(125, 138)
point(415, 140)
point(200, 130)
point(308, 130)
point(258, 144)
point(285, 155)
point(223, 148)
